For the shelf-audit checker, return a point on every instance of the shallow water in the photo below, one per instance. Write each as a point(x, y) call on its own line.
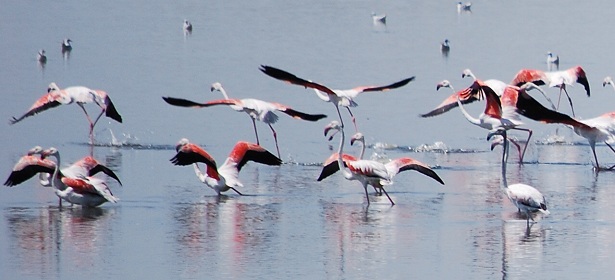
point(288, 225)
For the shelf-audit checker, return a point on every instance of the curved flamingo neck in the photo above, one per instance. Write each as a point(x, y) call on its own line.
point(340, 161)
point(322, 95)
point(468, 117)
point(56, 180)
point(223, 91)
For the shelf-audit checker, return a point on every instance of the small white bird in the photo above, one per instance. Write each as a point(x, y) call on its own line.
point(464, 7)
point(444, 46)
point(608, 81)
point(41, 57)
point(66, 45)
point(379, 18)
point(552, 58)
point(187, 26)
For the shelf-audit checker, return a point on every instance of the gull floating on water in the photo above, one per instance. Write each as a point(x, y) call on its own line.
point(41, 57)
point(66, 45)
point(379, 18)
point(187, 25)
point(464, 7)
point(552, 58)
point(444, 46)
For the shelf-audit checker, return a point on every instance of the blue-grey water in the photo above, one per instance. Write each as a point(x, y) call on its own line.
point(169, 225)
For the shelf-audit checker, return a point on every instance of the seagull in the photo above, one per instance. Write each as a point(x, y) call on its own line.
point(41, 57)
point(187, 26)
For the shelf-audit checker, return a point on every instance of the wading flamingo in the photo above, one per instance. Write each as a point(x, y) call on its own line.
point(525, 197)
point(344, 98)
point(225, 177)
point(255, 108)
point(377, 174)
point(77, 94)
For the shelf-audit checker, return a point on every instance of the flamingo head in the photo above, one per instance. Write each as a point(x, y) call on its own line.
point(607, 81)
point(182, 142)
point(36, 150)
point(467, 73)
point(444, 83)
point(216, 86)
point(52, 87)
point(50, 152)
point(357, 137)
point(333, 125)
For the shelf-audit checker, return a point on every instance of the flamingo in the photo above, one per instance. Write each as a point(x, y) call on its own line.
point(86, 166)
point(344, 98)
point(608, 81)
point(377, 174)
point(76, 94)
point(226, 177)
point(255, 108)
point(29, 165)
point(526, 198)
point(187, 26)
point(554, 79)
point(41, 57)
point(467, 95)
point(379, 18)
point(67, 45)
point(85, 191)
point(598, 129)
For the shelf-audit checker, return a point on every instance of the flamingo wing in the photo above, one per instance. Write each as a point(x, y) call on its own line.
point(387, 87)
point(187, 103)
point(537, 77)
point(330, 166)
point(104, 169)
point(451, 102)
point(290, 78)
point(47, 101)
point(26, 168)
point(406, 163)
point(245, 151)
point(110, 111)
point(532, 109)
point(298, 115)
point(192, 153)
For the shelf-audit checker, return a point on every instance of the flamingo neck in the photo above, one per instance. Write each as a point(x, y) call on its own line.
point(468, 117)
point(322, 95)
point(56, 180)
point(223, 91)
point(362, 150)
point(504, 160)
point(340, 160)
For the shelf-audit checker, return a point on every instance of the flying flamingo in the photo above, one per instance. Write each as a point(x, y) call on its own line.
point(608, 81)
point(500, 112)
point(77, 94)
point(525, 197)
point(344, 98)
point(598, 129)
point(377, 174)
point(255, 108)
point(225, 177)
point(451, 102)
point(554, 79)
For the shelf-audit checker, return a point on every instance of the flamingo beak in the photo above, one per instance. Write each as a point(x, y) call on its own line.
point(438, 86)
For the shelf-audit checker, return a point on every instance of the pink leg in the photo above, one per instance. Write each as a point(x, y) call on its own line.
point(527, 142)
point(569, 100)
point(275, 138)
point(255, 131)
point(354, 121)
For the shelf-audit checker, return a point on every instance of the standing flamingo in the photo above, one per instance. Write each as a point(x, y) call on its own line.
point(344, 98)
point(525, 197)
point(377, 174)
point(225, 177)
point(77, 94)
point(255, 108)
point(554, 79)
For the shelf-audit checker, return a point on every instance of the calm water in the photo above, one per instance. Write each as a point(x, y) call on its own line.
point(168, 225)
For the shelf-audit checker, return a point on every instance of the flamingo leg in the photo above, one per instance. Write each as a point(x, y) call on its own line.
point(275, 138)
point(516, 145)
point(339, 114)
point(385, 192)
point(366, 195)
point(236, 191)
point(90, 121)
point(569, 100)
point(354, 121)
point(527, 142)
point(255, 131)
point(610, 168)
